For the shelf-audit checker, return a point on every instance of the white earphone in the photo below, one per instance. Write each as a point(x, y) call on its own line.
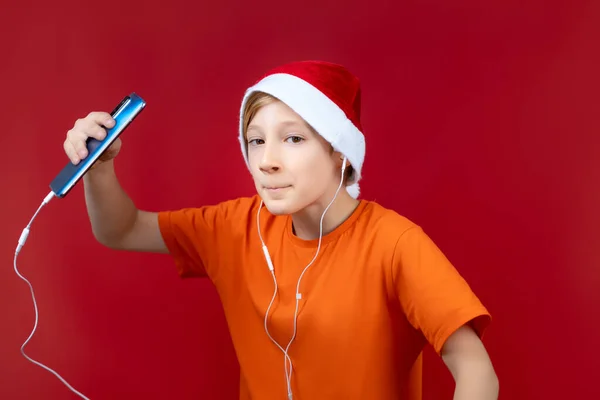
point(287, 360)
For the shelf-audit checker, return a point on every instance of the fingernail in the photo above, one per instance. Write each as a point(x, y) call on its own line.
point(109, 122)
point(82, 153)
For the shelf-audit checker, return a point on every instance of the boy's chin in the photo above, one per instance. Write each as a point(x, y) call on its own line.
point(281, 206)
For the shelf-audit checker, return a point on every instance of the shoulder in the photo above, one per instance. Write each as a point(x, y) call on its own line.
point(405, 238)
point(403, 241)
point(240, 207)
point(225, 209)
point(380, 231)
point(229, 213)
point(385, 222)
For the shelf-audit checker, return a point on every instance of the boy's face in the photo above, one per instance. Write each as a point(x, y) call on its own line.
point(292, 166)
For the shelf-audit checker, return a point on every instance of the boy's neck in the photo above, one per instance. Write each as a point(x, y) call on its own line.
point(306, 222)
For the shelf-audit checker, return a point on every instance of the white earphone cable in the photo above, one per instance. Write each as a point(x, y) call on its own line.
point(22, 240)
point(287, 359)
point(272, 270)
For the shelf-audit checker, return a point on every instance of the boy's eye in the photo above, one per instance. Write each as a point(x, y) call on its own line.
point(255, 142)
point(295, 139)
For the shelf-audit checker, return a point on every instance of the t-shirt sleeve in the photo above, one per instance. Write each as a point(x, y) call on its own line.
point(434, 296)
point(196, 236)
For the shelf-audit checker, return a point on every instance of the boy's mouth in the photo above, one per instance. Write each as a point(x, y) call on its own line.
point(276, 188)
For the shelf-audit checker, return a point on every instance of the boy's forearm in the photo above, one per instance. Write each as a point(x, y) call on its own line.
point(479, 385)
point(111, 211)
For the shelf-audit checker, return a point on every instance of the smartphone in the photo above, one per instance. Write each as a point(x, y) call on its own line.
point(123, 114)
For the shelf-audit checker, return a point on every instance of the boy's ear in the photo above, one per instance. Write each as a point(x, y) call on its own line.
point(342, 159)
point(338, 157)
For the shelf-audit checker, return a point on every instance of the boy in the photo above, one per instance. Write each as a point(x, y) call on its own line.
point(326, 296)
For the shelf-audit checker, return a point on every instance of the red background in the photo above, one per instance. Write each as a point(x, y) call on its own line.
point(482, 125)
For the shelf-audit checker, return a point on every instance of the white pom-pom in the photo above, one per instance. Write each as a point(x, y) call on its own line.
point(353, 190)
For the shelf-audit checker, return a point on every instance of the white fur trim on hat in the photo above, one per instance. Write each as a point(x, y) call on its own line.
point(320, 112)
point(353, 190)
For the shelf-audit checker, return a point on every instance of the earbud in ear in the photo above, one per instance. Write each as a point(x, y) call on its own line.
point(343, 163)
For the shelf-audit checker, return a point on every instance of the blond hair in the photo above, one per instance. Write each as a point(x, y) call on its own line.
point(255, 102)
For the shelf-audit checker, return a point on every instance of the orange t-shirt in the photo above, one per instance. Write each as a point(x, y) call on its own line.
point(379, 290)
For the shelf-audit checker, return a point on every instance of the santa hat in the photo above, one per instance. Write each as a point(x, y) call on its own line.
point(327, 97)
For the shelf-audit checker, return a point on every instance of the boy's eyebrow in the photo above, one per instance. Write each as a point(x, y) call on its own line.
point(293, 123)
point(284, 123)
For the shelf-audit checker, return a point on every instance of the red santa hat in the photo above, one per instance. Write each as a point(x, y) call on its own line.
point(327, 96)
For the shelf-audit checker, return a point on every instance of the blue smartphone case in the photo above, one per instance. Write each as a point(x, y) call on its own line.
point(123, 114)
